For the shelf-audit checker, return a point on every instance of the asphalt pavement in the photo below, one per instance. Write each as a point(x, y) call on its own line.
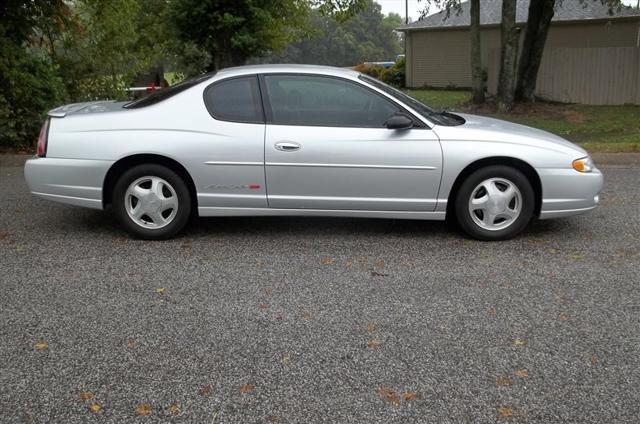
point(305, 320)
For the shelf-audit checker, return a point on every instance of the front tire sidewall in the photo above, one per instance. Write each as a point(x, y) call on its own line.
point(182, 192)
point(464, 193)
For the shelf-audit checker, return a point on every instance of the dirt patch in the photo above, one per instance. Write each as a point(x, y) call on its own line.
point(574, 116)
point(539, 109)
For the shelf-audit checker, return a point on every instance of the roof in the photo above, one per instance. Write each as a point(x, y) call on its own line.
point(302, 69)
point(491, 13)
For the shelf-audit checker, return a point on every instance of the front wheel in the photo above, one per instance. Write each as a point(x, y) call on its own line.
point(152, 202)
point(495, 203)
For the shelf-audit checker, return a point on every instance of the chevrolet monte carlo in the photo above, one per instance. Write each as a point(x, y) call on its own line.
point(304, 141)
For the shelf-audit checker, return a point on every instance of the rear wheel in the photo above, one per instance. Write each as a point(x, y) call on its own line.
point(151, 201)
point(495, 203)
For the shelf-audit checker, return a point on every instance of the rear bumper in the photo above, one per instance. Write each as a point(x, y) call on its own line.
point(75, 182)
point(566, 192)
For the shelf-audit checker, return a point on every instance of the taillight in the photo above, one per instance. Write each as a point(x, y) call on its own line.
point(42, 140)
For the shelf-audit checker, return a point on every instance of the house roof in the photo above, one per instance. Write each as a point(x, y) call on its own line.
point(491, 13)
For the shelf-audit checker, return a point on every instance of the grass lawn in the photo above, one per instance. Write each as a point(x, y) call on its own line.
point(596, 128)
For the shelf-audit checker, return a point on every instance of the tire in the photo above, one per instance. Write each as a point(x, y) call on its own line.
point(495, 203)
point(151, 202)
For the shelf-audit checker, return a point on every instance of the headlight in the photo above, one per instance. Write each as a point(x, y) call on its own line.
point(583, 164)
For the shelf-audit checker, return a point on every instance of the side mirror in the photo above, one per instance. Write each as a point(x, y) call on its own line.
point(399, 122)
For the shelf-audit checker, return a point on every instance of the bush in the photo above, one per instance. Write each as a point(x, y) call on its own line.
point(394, 75)
point(29, 86)
point(371, 70)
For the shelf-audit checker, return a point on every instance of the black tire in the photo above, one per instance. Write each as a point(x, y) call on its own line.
point(181, 191)
point(464, 216)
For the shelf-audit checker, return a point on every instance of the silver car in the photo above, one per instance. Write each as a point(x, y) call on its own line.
point(304, 141)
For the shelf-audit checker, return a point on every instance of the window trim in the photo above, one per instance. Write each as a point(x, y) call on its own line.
point(258, 92)
point(266, 103)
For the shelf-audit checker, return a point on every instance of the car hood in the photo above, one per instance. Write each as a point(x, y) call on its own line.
point(87, 107)
point(490, 129)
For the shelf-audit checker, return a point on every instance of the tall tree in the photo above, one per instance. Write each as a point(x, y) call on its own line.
point(538, 22)
point(535, 37)
point(509, 36)
point(231, 31)
point(477, 77)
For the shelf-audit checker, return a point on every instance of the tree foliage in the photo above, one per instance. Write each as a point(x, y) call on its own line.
point(111, 42)
point(366, 36)
point(231, 31)
point(29, 84)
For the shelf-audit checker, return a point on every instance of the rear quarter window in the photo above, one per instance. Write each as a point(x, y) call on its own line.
point(236, 100)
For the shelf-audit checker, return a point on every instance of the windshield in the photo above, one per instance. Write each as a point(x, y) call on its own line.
point(165, 93)
point(440, 117)
point(399, 95)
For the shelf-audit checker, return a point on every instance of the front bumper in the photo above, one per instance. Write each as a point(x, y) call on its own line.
point(72, 181)
point(567, 192)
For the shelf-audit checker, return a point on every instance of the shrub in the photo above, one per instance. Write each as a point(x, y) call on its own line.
point(29, 87)
point(371, 70)
point(394, 75)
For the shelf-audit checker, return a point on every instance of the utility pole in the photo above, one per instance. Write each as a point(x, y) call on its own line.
point(406, 11)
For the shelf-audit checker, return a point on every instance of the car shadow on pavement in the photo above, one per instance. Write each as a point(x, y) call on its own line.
point(104, 223)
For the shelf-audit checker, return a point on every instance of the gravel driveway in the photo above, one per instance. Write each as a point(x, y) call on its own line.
point(281, 320)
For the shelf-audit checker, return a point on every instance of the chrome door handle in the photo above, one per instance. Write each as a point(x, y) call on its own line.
point(287, 146)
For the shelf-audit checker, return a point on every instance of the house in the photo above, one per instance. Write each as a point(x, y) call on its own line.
point(592, 53)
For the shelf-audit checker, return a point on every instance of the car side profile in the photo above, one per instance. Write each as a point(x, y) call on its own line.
point(300, 140)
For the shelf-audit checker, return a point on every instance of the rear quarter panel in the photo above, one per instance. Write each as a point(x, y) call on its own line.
point(179, 128)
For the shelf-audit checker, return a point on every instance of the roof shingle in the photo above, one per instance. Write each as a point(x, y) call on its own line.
point(491, 11)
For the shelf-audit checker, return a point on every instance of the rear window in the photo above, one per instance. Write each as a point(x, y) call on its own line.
point(165, 93)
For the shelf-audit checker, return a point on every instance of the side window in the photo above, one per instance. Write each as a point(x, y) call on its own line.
point(235, 99)
point(324, 101)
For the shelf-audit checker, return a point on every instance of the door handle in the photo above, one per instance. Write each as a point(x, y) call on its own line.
point(287, 146)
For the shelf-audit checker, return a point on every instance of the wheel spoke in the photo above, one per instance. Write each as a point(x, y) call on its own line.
point(138, 211)
point(492, 189)
point(169, 203)
point(488, 218)
point(509, 193)
point(156, 217)
point(156, 187)
point(509, 213)
point(479, 203)
point(139, 192)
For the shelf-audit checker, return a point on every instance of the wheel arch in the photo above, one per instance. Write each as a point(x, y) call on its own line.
point(522, 166)
point(123, 164)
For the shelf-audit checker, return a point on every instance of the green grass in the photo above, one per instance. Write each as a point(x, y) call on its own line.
point(596, 128)
point(441, 99)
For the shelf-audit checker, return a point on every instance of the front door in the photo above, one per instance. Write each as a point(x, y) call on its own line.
point(326, 147)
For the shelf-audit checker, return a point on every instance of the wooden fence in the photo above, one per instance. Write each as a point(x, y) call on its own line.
point(595, 76)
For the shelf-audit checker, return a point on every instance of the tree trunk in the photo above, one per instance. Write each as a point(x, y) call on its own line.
point(509, 37)
point(477, 79)
point(535, 37)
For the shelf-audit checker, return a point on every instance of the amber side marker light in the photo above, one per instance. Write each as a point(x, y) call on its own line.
point(583, 164)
